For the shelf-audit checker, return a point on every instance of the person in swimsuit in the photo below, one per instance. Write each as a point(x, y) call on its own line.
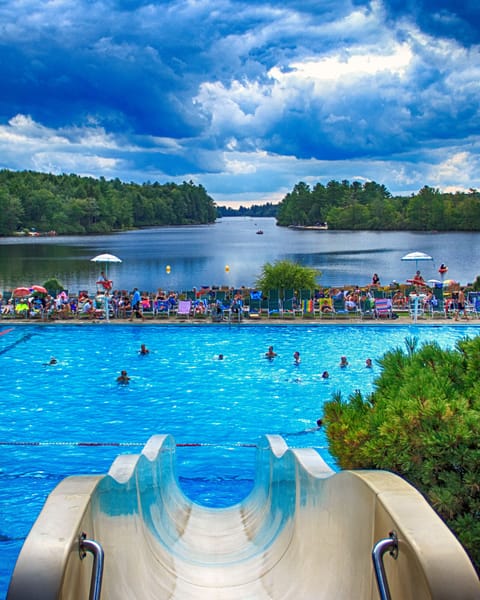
point(123, 377)
point(270, 354)
point(461, 302)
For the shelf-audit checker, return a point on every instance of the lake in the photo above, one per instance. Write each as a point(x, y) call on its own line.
point(199, 256)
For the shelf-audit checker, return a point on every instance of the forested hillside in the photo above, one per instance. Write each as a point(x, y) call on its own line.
point(72, 204)
point(356, 206)
point(256, 210)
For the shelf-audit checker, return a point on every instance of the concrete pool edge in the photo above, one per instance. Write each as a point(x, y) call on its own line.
point(248, 323)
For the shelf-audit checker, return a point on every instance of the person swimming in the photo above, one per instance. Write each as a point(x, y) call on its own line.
point(368, 363)
point(296, 357)
point(325, 375)
point(270, 354)
point(343, 362)
point(319, 424)
point(123, 377)
point(143, 349)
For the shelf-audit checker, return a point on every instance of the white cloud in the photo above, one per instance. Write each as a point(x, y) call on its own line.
point(459, 167)
point(347, 68)
point(256, 99)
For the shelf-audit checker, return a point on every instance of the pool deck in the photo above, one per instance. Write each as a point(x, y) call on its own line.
point(402, 319)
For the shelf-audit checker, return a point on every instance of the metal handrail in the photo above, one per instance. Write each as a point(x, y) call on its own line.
point(389, 544)
point(97, 570)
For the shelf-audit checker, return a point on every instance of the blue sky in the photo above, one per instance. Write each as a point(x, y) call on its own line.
point(244, 97)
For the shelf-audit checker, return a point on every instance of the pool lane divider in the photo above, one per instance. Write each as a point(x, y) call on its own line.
point(118, 444)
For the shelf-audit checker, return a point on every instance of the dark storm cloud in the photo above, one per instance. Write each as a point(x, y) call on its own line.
point(459, 20)
point(246, 97)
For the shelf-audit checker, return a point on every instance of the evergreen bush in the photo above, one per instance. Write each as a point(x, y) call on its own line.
point(422, 421)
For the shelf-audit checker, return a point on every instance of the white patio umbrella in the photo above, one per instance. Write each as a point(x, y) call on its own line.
point(106, 259)
point(417, 257)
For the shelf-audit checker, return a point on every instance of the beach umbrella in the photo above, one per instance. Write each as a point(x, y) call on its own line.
point(106, 259)
point(21, 292)
point(417, 257)
point(435, 282)
point(39, 288)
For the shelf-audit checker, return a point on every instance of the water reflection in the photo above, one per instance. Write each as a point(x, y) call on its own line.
point(198, 255)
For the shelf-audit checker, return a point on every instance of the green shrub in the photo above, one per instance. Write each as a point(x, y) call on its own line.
point(53, 285)
point(286, 274)
point(422, 422)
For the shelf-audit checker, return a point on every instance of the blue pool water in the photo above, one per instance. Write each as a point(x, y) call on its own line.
point(73, 417)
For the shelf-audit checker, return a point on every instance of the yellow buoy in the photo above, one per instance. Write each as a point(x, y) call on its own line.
point(168, 269)
point(227, 268)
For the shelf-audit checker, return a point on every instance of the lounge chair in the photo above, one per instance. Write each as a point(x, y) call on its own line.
point(255, 304)
point(383, 308)
point(291, 306)
point(339, 307)
point(324, 308)
point(184, 309)
point(274, 303)
point(434, 305)
point(472, 306)
point(367, 307)
point(307, 302)
point(161, 308)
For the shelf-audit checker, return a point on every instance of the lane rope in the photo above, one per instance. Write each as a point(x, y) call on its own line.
point(118, 444)
point(134, 444)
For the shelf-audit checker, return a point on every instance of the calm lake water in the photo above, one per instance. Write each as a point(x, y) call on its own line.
point(199, 255)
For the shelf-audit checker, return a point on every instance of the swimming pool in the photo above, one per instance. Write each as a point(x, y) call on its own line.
point(73, 416)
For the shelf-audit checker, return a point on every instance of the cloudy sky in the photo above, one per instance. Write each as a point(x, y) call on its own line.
point(245, 97)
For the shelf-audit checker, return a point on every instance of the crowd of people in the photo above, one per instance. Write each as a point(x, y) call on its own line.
point(216, 302)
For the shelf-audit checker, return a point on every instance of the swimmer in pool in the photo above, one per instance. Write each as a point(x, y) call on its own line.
point(296, 357)
point(270, 354)
point(52, 361)
point(123, 377)
point(368, 363)
point(325, 375)
point(343, 362)
point(143, 349)
point(305, 431)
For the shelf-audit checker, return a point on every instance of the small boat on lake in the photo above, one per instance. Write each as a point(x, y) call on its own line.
point(260, 232)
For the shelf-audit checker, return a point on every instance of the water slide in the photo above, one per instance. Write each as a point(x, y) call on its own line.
point(304, 532)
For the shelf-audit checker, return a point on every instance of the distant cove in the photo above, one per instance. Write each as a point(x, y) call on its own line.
point(198, 255)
